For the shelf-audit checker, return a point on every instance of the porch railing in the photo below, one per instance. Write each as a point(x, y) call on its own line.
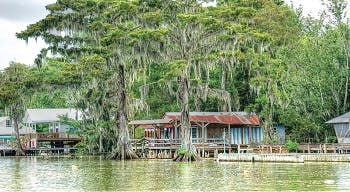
point(164, 143)
point(51, 135)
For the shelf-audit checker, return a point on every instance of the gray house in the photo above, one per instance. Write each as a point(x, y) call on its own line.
point(33, 117)
point(7, 132)
point(342, 127)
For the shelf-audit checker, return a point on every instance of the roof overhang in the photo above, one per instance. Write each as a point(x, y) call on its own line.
point(151, 122)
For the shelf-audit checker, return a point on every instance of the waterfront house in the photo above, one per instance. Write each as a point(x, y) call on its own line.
point(53, 133)
point(229, 127)
point(341, 126)
point(210, 132)
point(7, 131)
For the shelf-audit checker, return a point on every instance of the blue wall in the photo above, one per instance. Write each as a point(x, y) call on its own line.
point(240, 135)
point(280, 134)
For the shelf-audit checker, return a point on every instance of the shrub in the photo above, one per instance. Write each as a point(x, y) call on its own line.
point(292, 146)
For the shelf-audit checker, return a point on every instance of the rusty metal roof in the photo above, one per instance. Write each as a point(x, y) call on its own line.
point(151, 122)
point(233, 118)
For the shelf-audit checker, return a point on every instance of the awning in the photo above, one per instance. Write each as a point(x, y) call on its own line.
point(7, 137)
point(150, 122)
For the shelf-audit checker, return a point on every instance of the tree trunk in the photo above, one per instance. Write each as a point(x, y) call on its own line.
point(223, 84)
point(188, 150)
point(124, 150)
point(20, 151)
point(347, 77)
point(100, 150)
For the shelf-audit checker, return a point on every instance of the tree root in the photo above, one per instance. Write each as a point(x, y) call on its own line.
point(187, 156)
point(128, 155)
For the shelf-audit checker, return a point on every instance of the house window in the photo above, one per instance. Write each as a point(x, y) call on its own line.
point(194, 132)
point(8, 123)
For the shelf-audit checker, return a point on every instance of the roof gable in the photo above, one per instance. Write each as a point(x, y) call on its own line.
point(345, 118)
point(49, 115)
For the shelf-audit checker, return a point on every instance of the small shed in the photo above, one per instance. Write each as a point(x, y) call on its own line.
point(341, 126)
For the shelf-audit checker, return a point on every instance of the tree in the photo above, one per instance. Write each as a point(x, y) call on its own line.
point(105, 28)
point(16, 83)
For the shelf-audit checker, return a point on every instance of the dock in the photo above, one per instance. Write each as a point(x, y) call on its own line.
point(246, 157)
point(282, 158)
point(7, 151)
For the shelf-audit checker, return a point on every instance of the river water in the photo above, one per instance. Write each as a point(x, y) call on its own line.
point(97, 174)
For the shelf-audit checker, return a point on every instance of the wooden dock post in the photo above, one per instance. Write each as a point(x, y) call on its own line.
point(216, 153)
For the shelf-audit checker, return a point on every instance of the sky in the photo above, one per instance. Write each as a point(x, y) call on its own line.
point(15, 15)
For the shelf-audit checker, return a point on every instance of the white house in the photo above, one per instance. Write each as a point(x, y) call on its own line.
point(7, 131)
point(32, 117)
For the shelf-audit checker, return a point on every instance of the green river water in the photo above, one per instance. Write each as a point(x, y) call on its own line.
point(97, 174)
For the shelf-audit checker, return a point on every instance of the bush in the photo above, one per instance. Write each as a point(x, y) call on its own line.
point(292, 146)
point(332, 139)
point(181, 151)
point(82, 148)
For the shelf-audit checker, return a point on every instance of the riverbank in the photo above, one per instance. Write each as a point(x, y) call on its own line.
point(287, 157)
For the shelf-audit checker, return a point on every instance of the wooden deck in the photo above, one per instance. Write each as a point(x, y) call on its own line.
point(49, 151)
point(166, 148)
point(53, 137)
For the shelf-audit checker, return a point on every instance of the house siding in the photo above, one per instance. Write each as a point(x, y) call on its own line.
point(246, 135)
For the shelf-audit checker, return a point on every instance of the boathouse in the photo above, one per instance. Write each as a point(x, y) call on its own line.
point(341, 126)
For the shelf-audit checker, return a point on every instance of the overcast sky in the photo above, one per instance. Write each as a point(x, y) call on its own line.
point(15, 15)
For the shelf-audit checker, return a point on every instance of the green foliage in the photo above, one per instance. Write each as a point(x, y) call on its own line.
point(331, 139)
point(182, 151)
point(82, 148)
point(292, 146)
point(262, 54)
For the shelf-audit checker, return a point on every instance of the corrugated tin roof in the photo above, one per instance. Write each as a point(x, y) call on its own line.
point(233, 118)
point(345, 118)
point(150, 122)
point(49, 115)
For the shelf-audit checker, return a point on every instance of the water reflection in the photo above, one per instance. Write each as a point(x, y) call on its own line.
point(97, 174)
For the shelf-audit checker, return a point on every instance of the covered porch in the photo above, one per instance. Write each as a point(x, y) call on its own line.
point(211, 132)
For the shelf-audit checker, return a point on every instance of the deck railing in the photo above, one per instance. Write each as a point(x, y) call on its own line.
point(173, 143)
point(51, 135)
